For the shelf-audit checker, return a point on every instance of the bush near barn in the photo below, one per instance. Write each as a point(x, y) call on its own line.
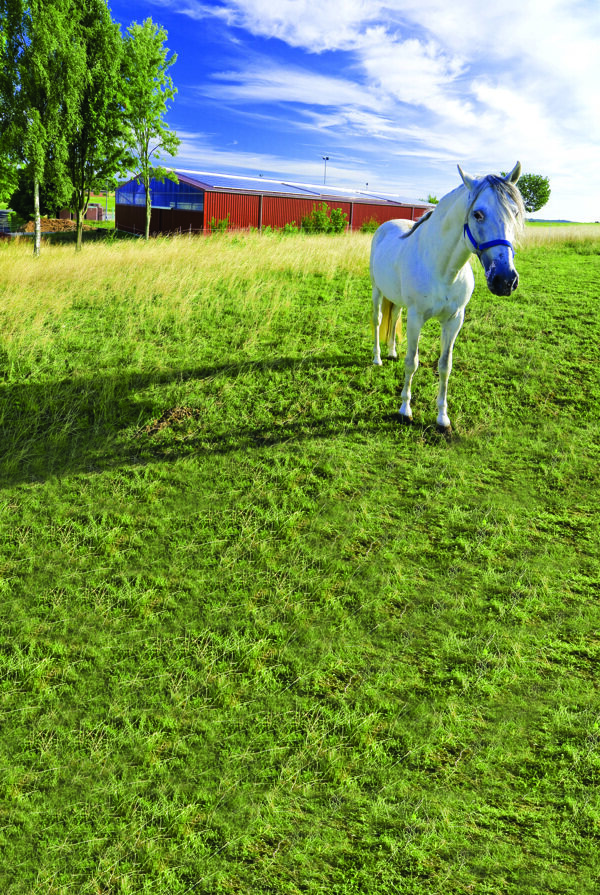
point(324, 220)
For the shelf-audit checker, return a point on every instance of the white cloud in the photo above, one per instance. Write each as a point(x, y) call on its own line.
point(265, 83)
point(197, 152)
point(314, 26)
point(423, 79)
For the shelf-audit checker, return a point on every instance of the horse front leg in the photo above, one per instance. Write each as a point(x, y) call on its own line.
point(414, 324)
point(450, 330)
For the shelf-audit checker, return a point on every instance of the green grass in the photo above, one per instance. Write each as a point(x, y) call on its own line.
point(259, 638)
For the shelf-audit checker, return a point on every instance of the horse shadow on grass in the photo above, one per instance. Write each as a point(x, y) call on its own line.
point(85, 425)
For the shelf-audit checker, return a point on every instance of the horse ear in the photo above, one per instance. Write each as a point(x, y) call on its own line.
point(514, 174)
point(468, 181)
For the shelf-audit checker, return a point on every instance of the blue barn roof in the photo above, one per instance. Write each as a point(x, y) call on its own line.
point(130, 193)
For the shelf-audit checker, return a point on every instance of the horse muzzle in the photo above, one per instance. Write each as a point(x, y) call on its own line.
point(499, 284)
point(502, 279)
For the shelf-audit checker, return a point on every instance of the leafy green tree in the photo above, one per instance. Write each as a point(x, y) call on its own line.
point(535, 190)
point(41, 69)
point(8, 178)
point(96, 145)
point(148, 88)
point(8, 168)
point(22, 200)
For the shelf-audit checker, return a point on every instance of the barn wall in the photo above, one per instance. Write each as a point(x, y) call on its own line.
point(241, 208)
point(278, 211)
point(244, 211)
point(132, 219)
point(176, 220)
point(364, 213)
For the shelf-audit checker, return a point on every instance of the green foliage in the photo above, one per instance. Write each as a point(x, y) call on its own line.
point(41, 70)
point(535, 190)
point(256, 636)
point(219, 226)
point(321, 220)
point(22, 199)
point(338, 220)
point(369, 226)
point(96, 147)
point(147, 91)
point(8, 178)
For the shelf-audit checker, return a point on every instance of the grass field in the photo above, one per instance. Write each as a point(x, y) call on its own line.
point(256, 636)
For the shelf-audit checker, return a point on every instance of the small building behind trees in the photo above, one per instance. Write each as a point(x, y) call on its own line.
point(201, 202)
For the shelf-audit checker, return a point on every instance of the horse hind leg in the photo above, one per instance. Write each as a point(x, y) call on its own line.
point(394, 330)
point(376, 319)
point(414, 324)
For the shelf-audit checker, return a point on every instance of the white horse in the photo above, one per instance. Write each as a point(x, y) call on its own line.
point(426, 270)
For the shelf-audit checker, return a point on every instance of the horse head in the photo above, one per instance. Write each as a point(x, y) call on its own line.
point(494, 216)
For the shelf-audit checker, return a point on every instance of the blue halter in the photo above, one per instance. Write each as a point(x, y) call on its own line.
point(482, 246)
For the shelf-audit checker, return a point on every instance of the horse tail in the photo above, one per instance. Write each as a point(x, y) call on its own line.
point(385, 328)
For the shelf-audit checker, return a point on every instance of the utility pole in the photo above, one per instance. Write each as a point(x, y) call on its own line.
point(325, 159)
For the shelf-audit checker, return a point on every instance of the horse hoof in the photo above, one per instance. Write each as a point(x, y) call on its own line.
point(444, 430)
point(405, 420)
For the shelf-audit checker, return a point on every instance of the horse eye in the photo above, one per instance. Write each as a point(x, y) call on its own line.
point(478, 215)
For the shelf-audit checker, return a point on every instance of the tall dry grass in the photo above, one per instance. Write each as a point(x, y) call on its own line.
point(185, 268)
point(163, 276)
point(555, 235)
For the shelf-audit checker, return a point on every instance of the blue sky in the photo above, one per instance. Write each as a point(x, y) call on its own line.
point(395, 92)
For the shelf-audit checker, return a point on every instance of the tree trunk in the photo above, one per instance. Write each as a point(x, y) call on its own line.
point(148, 210)
point(78, 229)
point(37, 238)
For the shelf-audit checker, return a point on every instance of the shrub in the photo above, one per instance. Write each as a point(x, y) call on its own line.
point(369, 226)
point(219, 226)
point(322, 221)
point(338, 220)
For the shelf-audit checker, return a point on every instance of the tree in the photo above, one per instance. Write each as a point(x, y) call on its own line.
point(8, 168)
point(148, 88)
point(96, 147)
point(8, 178)
point(41, 69)
point(535, 190)
point(21, 200)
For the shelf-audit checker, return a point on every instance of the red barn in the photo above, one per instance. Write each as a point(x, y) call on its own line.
point(199, 201)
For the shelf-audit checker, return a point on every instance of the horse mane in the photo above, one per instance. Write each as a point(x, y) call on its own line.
point(417, 224)
point(510, 199)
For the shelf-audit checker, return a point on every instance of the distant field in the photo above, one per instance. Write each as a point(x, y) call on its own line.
point(558, 224)
point(256, 636)
point(100, 199)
